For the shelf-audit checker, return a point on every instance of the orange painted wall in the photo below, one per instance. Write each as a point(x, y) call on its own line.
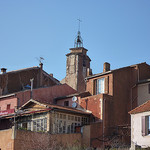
point(6, 141)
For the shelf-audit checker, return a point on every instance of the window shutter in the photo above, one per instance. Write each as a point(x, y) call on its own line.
point(146, 125)
point(143, 126)
point(94, 87)
point(106, 85)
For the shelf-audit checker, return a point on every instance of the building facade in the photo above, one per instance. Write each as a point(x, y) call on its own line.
point(113, 94)
point(46, 124)
point(19, 80)
point(140, 126)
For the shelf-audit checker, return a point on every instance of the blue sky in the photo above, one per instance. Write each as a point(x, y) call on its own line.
point(116, 31)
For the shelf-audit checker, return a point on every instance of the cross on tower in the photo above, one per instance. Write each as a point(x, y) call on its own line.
point(78, 40)
point(79, 24)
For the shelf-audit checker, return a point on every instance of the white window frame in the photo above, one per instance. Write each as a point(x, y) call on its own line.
point(145, 125)
point(100, 86)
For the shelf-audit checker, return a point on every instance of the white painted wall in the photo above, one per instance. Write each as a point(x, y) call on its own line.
point(136, 130)
point(143, 93)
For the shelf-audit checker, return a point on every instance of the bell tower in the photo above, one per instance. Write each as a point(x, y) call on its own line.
point(78, 65)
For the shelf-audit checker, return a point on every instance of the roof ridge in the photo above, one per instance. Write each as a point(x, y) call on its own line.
point(34, 67)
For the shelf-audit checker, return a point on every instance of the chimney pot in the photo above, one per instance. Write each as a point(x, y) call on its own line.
point(106, 67)
point(51, 74)
point(41, 65)
point(3, 70)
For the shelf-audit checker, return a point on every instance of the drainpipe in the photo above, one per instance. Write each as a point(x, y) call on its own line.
point(86, 101)
point(14, 127)
point(138, 79)
point(103, 121)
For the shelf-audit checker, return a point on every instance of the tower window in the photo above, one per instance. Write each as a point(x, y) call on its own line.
point(84, 63)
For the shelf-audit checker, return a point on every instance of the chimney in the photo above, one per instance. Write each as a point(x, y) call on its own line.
point(51, 74)
point(41, 74)
point(3, 70)
point(89, 72)
point(106, 67)
point(41, 66)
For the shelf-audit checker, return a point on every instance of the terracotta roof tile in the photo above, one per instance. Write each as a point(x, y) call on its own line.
point(142, 108)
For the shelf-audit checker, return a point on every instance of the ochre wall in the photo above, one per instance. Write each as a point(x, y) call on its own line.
point(6, 141)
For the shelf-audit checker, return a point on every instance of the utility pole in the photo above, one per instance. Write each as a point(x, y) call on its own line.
point(31, 94)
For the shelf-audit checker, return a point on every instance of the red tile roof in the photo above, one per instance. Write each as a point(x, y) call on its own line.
point(55, 107)
point(142, 108)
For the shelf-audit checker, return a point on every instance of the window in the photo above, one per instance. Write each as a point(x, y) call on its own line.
point(8, 106)
point(68, 123)
point(66, 103)
point(40, 125)
point(145, 125)
point(84, 61)
point(34, 125)
point(100, 86)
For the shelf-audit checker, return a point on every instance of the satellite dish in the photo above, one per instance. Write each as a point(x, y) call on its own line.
point(74, 105)
point(74, 98)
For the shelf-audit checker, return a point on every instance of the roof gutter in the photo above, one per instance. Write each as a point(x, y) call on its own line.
point(97, 75)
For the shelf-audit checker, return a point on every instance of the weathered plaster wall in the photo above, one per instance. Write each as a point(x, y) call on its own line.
point(10, 100)
point(61, 102)
point(45, 95)
point(6, 140)
point(76, 68)
point(143, 93)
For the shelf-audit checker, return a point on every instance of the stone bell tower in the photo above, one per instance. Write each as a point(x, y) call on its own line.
point(78, 65)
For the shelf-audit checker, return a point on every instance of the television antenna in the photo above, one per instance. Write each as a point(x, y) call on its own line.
point(40, 60)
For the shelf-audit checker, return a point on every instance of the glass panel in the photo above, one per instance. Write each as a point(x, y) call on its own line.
point(79, 119)
point(68, 130)
point(100, 86)
point(29, 126)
